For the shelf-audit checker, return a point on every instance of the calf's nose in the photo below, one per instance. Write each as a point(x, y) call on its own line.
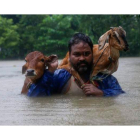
point(30, 71)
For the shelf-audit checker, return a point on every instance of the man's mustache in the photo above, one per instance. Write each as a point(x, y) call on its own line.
point(82, 62)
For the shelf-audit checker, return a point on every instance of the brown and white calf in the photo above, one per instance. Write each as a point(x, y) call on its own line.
point(36, 63)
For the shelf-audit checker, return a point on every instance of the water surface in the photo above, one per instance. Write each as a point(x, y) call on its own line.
point(17, 109)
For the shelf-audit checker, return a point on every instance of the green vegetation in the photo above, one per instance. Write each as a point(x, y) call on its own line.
point(21, 34)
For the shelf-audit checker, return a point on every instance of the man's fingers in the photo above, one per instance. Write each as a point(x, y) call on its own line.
point(86, 87)
point(87, 93)
point(53, 66)
point(53, 63)
point(86, 90)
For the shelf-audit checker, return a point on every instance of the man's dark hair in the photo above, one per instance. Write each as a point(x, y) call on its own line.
point(79, 37)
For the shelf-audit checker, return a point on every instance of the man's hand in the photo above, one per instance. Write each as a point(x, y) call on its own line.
point(90, 89)
point(52, 66)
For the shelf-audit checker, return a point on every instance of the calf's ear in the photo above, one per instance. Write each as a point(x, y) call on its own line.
point(24, 68)
point(50, 59)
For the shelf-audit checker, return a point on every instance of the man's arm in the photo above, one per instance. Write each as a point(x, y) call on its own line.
point(42, 87)
point(108, 87)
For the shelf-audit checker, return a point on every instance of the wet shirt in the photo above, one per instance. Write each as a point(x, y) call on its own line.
point(54, 82)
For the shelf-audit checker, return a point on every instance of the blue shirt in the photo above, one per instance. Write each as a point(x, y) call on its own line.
point(54, 82)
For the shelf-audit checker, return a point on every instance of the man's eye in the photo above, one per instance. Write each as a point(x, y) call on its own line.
point(86, 53)
point(25, 60)
point(77, 54)
point(42, 60)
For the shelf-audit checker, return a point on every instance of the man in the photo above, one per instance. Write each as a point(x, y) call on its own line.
point(81, 59)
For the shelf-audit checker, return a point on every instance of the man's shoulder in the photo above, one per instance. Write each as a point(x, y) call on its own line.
point(109, 79)
point(57, 73)
point(61, 73)
point(104, 77)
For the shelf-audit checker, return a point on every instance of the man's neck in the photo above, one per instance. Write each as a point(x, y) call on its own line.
point(85, 76)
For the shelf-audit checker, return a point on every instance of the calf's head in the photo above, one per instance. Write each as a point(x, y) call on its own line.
point(35, 65)
point(116, 37)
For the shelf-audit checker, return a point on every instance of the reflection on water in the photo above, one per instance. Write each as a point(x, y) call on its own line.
point(17, 109)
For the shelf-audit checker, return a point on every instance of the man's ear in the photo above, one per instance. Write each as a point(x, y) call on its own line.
point(102, 40)
point(24, 68)
point(50, 59)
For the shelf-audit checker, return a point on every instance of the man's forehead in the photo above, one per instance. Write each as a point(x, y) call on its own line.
point(80, 46)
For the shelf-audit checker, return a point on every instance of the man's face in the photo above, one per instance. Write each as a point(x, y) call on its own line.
point(81, 57)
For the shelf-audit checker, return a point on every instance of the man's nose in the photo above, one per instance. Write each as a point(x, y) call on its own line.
point(82, 57)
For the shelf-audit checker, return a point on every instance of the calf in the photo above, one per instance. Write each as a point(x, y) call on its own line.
point(105, 55)
point(34, 68)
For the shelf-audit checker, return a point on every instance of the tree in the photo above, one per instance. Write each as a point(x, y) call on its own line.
point(21, 34)
point(55, 32)
point(9, 39)
point(29, 31)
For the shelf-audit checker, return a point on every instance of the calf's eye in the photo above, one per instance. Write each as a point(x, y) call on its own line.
point(42, 60)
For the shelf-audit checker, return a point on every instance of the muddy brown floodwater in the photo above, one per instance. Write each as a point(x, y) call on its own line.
point(17, 109)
